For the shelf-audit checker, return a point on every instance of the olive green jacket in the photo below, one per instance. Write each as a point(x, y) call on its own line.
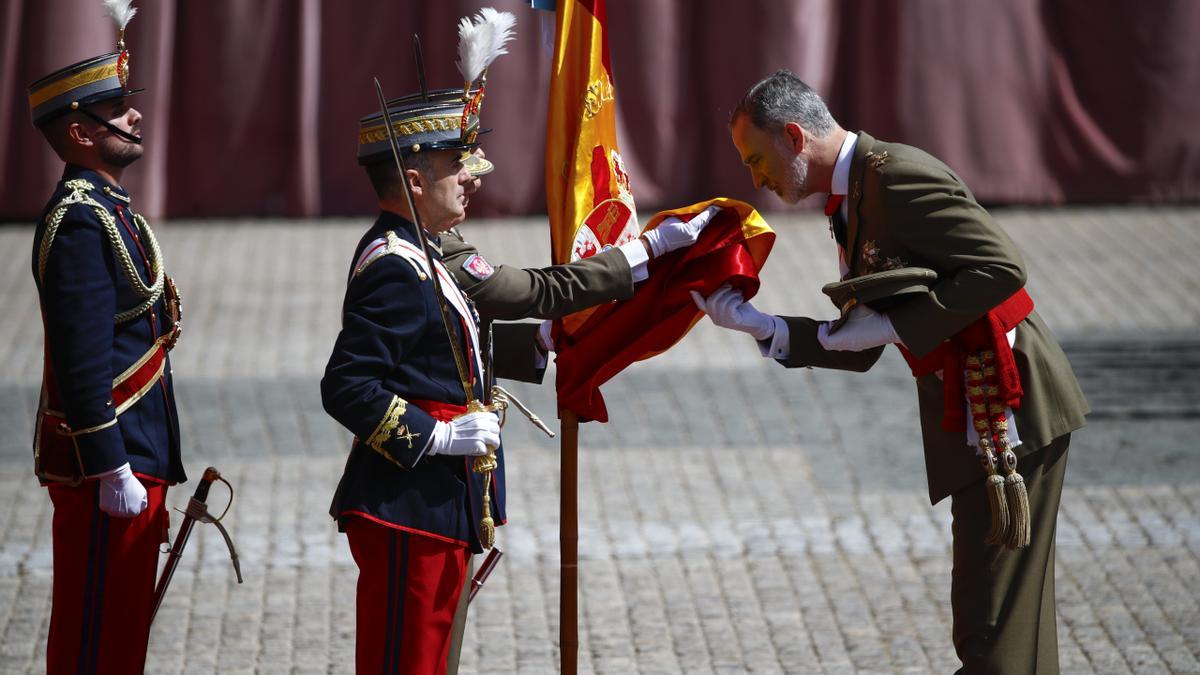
point(510, 293)
point(908, 209)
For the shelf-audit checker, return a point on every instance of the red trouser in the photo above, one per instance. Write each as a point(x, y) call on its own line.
point(104, 570)
point(408, 587)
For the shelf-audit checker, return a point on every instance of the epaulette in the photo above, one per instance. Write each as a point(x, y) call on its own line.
point(390, 244)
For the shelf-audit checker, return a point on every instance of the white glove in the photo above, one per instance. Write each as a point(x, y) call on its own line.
point(544, 339)
point(864, 328)
point(672, 233)
point(727, 309)
point(469, 434)
point(122, 495)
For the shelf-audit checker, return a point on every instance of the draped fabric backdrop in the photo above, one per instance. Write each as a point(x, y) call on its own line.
point(251, 106)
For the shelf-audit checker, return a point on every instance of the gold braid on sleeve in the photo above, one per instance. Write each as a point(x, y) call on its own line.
point(389, 427)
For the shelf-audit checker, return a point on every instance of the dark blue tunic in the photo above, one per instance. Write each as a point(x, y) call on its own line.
point(82, 288)
point(393, 350)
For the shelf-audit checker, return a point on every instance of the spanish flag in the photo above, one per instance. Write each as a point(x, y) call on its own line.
point(732, 250)
point(588, 195)
point(590, 204)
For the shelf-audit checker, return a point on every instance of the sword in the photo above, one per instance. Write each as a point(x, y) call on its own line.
point(481, 575)
point(197, 510)
point(484, 464)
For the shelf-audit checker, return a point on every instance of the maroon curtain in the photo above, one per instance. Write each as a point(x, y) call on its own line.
point(251, 105)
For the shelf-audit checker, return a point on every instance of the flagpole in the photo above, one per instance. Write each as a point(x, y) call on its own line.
point(568, 544)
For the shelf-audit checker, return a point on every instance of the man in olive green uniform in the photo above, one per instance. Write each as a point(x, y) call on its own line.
point(893, 206)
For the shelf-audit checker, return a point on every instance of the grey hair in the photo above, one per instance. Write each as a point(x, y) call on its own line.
point(385, 179)
point(783, 98)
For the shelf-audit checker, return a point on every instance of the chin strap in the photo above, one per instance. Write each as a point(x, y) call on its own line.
point(108, 125)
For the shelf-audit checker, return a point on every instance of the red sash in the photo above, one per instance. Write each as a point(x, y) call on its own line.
point(56, 458)
point(988, 332)
point(441, 411)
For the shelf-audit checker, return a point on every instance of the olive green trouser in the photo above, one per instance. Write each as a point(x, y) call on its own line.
point(1003, 601)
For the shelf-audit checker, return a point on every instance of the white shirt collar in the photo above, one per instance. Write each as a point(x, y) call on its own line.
point(841, 169)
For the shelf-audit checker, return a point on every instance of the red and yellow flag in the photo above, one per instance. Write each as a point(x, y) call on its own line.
point(591, 206)
point(588, 195)
point(731, 250)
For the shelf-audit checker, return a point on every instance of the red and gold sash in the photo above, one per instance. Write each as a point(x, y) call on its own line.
point(55, 453)
point(986, 333)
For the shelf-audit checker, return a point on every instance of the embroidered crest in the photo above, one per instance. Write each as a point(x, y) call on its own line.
point(874, 262)
point(478, 267)
point(877, 160)
point(403, 434)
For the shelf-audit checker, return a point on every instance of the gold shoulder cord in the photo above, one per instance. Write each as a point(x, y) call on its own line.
point(391, 248)
point(79, 195)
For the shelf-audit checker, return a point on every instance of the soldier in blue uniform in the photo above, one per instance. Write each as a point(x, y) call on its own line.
point(107, 435)
point(408, 500)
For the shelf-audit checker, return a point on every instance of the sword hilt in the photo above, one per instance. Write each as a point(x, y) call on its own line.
point(198, 511)
point(210, 476)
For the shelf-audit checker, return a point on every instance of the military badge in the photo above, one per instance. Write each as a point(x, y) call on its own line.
point(877, 159)
point(874, 261)
point(478, 267)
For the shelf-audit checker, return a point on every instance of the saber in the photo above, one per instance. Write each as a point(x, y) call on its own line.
point(481, 575)
point(197, 510)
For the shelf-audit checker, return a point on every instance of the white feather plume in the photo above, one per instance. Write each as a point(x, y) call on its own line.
point(482, 40)
point(121, 11)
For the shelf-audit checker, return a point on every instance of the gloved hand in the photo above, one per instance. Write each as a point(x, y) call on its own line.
point(544, 339)
point(469, 434)
point(672, 233)
point(122, 495)
point(864, 328)
point(727, 309)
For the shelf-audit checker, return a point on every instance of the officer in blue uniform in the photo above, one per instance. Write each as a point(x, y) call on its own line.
point(408, 500)
point(107, 434)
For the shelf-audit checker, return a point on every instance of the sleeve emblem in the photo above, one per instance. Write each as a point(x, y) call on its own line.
point(478, 267)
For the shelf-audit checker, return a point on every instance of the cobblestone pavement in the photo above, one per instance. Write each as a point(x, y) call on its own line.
point(734, 516)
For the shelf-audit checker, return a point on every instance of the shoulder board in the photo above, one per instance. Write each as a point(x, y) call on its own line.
point(390, 244)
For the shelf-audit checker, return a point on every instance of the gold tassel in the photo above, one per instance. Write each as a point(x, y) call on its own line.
point(487, 527)
point(995, 496)
point(486, 464)
point(1018, 504)
point(1016, 496)
point(994, 482)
